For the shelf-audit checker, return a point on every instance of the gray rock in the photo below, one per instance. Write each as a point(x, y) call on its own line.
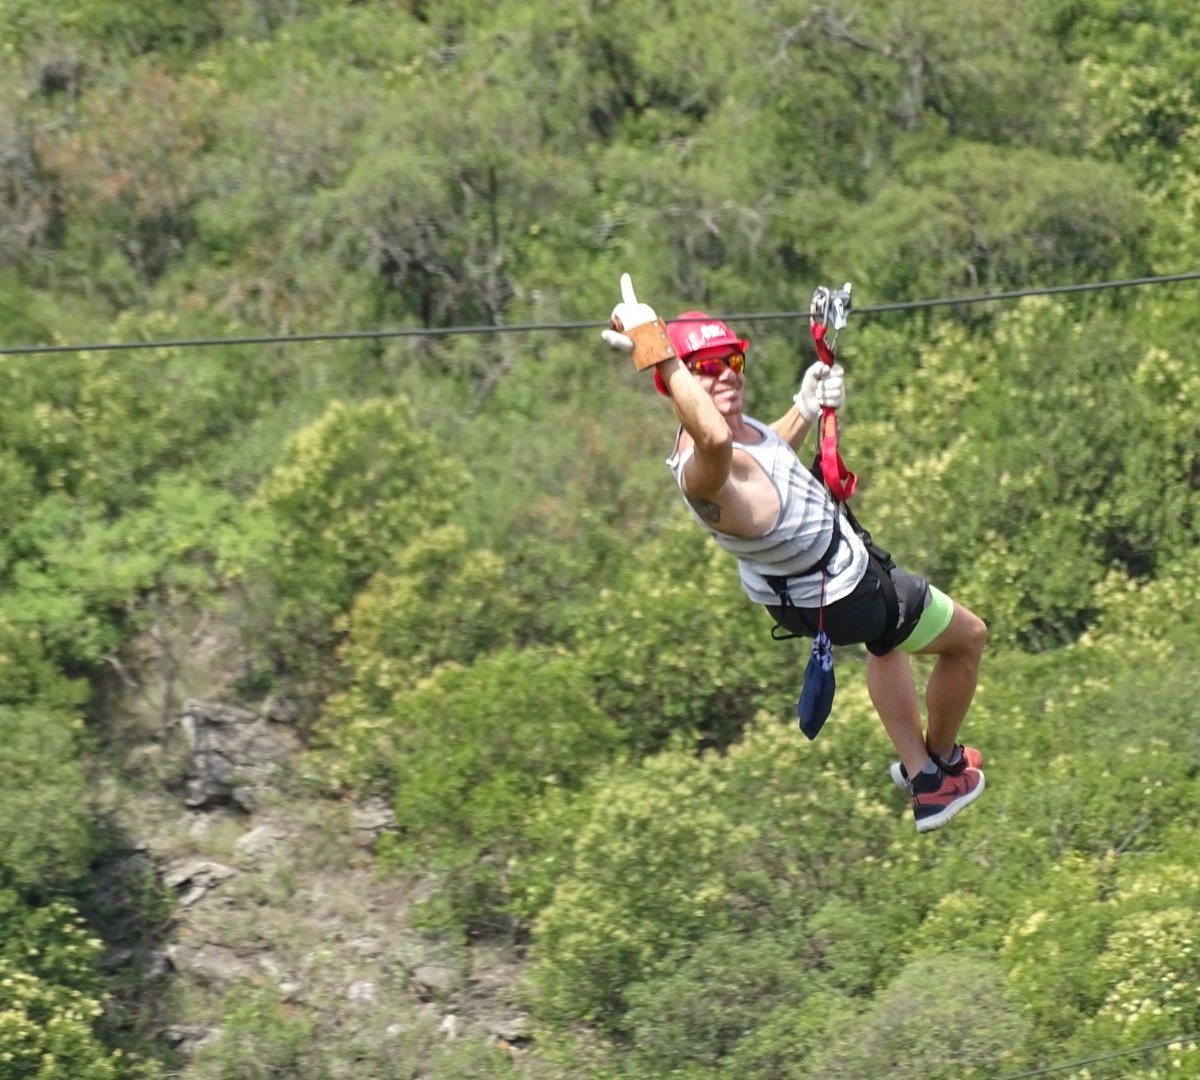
point(212, 964)
point(259, 841)
point(195, 878)
point(362, 992)
point(435, 981)
point(196, 871)
point(513, 1030)
point(371, 819)
point(230, 754)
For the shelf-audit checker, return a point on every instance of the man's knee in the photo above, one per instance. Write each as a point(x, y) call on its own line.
point(964, 638)
point(974, 633)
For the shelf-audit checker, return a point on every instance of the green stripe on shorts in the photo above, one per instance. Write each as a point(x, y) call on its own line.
point(934, 619)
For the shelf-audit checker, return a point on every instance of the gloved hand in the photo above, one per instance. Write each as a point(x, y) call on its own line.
point(823, 385)
point(636, 328)
point(627, 315)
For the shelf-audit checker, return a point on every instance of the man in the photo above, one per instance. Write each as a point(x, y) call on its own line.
point(798, 554)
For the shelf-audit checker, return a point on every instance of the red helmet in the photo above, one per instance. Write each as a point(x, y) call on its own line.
point(694, 331)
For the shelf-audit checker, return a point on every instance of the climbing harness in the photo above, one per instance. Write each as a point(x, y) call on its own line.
point(830, 311)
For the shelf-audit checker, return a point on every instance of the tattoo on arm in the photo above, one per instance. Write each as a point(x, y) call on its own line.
point(710, 512)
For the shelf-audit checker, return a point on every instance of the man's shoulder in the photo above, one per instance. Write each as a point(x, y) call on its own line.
point(764, 432)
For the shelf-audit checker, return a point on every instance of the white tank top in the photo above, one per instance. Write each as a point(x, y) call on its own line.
point(800, 536)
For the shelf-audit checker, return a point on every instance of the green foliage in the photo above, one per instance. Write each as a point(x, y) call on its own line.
point(1105, 957)
point(46, 843)
point(657, 665)
point(1160, 515)
point(467, 752)
point(396, 638)
point(516, 638)
point(789, 831)
point(979, 218)
point(977, 1025)
point(46, 1031)
point(29, 677)
point(81, 581)
point(1019, 481)
point(665, 856)
point(352, 487)
point(52, 944)
point(454, 243)
point(24, 313)
point(48, 603)
point(412, 702)
point(588, 486)
point(260, 1037)
point(287, 135)
point(696, 1014)
point(140, 26)
point(350, 490)
point(776, 1047)
point(1149, 965)
point(823, 876)
point(125, 168)
point(51, 997)
point(1154, 621)
point(17, 496)
point(103, 427)
point(653, 870)
point(472, 1059)
point(1136, 55)
point(1052, 943)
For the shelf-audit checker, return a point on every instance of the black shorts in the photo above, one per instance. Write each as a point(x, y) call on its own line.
point(861, 617)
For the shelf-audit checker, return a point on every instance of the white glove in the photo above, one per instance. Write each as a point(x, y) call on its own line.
point(823, 385)
point(627, 315)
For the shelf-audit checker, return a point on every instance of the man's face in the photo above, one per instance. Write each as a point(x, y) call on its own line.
point(722, 375)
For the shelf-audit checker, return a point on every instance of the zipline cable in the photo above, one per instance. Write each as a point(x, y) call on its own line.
point(1195, 1035)
point(526, 328)
point(1012, 294)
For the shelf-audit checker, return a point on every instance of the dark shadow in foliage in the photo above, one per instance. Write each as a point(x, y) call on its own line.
point(128, 907)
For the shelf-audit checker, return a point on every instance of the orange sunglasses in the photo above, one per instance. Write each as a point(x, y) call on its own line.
point(714, 365)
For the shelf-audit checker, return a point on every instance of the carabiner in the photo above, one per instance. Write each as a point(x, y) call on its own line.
point(831, 309)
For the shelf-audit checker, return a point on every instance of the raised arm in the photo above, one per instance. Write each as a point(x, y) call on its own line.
point(636, 328)
point(708, 469)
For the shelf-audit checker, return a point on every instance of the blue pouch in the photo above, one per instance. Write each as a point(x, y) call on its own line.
point(816, 697)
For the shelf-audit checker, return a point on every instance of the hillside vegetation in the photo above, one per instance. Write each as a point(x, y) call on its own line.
point(460, 562)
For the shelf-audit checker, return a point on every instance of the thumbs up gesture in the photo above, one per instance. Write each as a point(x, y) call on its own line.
point(636, 328)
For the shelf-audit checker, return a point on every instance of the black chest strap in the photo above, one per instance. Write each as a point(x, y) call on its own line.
point(779, 582)
point(879, 563)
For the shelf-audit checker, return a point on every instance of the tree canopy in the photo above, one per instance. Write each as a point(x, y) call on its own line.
point(460, 557)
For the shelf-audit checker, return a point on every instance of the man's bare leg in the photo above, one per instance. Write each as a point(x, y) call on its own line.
point(952, 682)
point(894, 695)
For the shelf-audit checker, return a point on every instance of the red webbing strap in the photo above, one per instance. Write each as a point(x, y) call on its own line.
point(840, 480)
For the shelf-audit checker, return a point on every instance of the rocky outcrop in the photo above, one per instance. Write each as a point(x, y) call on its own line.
point(231, 754)
point(275, 888)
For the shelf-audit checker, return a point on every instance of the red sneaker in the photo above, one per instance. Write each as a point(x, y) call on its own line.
point(933, 809)
point(971, 759)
